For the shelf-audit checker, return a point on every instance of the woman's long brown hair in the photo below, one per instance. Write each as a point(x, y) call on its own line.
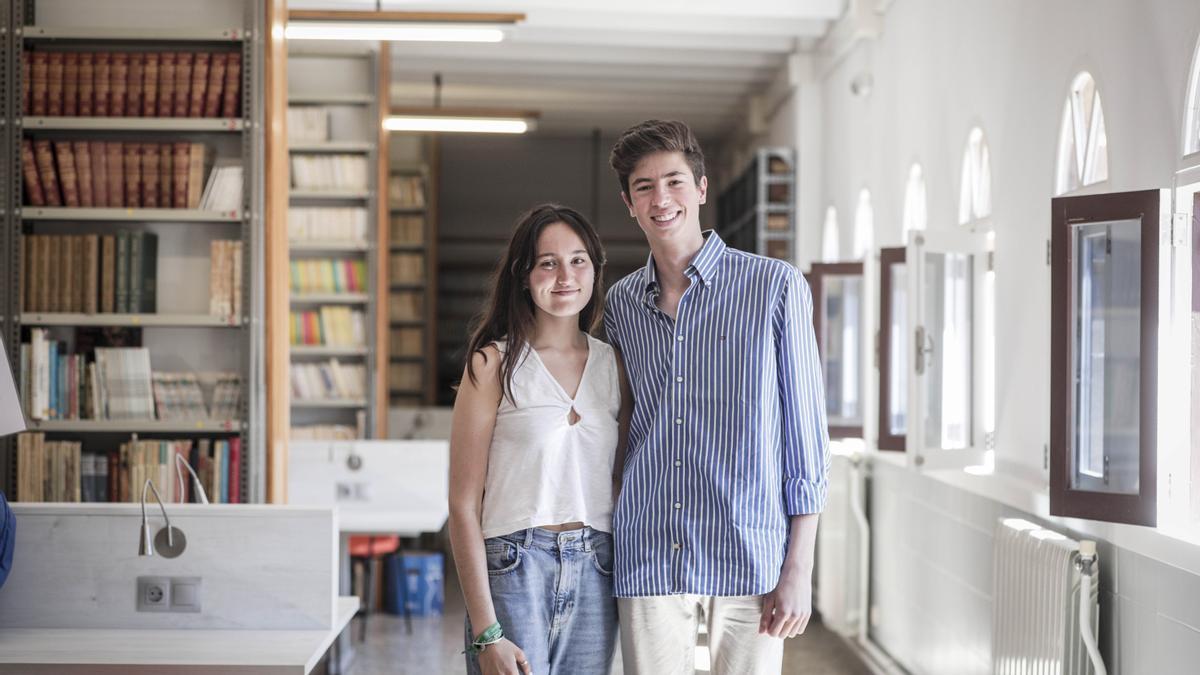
point(509, 313)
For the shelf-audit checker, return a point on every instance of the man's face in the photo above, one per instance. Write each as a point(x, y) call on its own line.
point(664, 197)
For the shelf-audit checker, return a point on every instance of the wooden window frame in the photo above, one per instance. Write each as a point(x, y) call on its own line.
point(816, 282)
point(1139, 509)
point(888, 258)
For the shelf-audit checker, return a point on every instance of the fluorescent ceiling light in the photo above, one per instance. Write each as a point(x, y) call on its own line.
point(390, 32)
point(487, 125)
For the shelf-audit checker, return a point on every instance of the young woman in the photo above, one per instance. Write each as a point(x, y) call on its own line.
point(532, 451)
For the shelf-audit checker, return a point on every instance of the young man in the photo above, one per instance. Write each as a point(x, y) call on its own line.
point(727, 456)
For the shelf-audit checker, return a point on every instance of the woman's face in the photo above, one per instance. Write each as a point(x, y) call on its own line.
point(562, 276)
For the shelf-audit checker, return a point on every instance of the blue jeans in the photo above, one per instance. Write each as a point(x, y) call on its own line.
point(553, 594)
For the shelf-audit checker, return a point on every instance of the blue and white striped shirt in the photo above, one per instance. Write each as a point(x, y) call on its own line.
point(728, 436)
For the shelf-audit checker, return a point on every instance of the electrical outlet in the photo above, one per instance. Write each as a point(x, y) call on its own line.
point(185, 594)
point(153, 594)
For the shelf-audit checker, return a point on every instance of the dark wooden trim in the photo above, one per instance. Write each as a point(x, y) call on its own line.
point(816, 277)
point(888, 258)
point(404, 17)
point(1139, 509)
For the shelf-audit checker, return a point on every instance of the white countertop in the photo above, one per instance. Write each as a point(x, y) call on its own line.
point(258, 652)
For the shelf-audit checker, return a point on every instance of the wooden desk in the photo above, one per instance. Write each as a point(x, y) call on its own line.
point(32, 651)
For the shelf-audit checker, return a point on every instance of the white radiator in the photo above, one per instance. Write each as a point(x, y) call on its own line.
point(838, 552)
point(1035, 615)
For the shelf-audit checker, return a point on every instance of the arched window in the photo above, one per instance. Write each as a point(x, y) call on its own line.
point(1082, 140)
point(975, 197)
point(1191, 117)
point(915, 218)
point(864, 224)
point(829, 236)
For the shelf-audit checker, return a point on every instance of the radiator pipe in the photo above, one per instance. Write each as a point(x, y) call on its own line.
point(1087, 573)
point(858, 477)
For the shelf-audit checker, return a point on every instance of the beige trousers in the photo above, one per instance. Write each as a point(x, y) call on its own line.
point(658, 635)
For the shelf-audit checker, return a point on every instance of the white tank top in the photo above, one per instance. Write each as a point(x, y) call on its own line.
point(542, 470)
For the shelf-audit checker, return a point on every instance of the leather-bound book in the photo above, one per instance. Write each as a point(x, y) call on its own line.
point(166, 193)
point(116, 174)
point(118, 84)
point(70, 84)
point(26, 82)
point(101, 82)
point(133, 175)
point(66, 173)
point(150, 85)
point(183, 83)
point(45, 165)
point(133, 90)
point(181, 161)
point(91, 273)
point(233, 85)
point(166, 83)
point(54, 84)
point(108, 273)
point(40, 64)
point(29, 172)
point(87, 86)
point(99, 152)
point(200, 65)
point(216, 84)
point(150, 175)
point(83, 170)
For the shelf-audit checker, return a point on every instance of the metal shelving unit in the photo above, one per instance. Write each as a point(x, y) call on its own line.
point(341, 83)
point(70, 25)
point(757, 212)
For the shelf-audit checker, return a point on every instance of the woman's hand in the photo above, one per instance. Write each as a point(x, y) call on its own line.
point(504, 658)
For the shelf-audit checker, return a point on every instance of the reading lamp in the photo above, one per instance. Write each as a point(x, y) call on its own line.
point(195, 479)
point(169, 541)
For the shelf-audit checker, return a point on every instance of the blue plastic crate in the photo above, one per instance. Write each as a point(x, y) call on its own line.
point(414, 578)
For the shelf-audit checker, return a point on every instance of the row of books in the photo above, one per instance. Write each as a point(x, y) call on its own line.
point(328, 276)
point(328, 380)
point(133, 84)
point(406, 305)
point(407, 229)
point(330, 326)
point(307, 124)
point(61, 471)
point(225, 278)
point(329, 172)
point(328, 432)
point(327, 224)
point(223, 192)
point(406, 342)
point(90, 273)
point(180, 396)
point(58, 384)
point(405, 376)
point(104, 174)
point(406, 192)
point(406, 268)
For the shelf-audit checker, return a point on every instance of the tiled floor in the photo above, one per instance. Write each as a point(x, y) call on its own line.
point(435, 647)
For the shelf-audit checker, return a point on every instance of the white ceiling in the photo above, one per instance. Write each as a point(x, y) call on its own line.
point(587, 64)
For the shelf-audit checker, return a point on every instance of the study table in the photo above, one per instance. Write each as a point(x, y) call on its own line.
point(67, 651)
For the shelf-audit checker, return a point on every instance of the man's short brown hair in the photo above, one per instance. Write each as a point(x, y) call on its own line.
point(650, 137)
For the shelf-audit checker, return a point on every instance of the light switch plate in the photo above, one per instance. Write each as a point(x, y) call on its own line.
point(153, 594)
point(185, 594)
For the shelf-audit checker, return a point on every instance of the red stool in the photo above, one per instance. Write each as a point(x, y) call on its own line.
point(366, 550)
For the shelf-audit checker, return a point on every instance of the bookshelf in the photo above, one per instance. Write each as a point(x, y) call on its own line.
point(412, 270)
point(79, 77)
point(757, 212)
point(333, 242)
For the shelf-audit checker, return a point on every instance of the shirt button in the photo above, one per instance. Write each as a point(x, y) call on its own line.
point(679, 338)
point(678, 505)
point(678, 420)
point(675, 545)
point(679, 462)
point(679, 378)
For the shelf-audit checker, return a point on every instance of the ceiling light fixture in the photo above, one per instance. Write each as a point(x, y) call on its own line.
point(398, 26)
point(460, 120)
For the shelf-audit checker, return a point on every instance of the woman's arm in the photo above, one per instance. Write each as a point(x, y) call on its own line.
point(470, 438)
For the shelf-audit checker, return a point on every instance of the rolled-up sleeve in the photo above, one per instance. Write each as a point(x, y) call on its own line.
point(805, 434)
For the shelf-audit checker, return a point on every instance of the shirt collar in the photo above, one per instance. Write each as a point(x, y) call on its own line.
point(705, 265)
